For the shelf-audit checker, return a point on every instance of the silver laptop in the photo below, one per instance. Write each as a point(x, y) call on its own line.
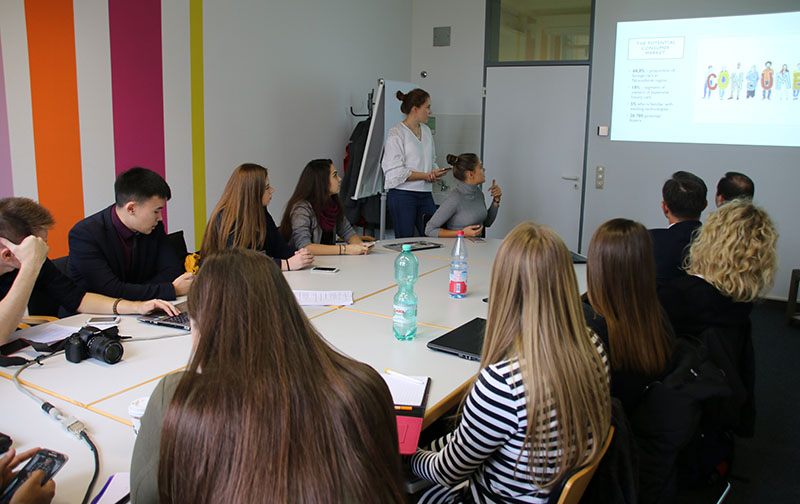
point(179, 321)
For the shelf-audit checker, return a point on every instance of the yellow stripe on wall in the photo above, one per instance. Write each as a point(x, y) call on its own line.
point(198, 120)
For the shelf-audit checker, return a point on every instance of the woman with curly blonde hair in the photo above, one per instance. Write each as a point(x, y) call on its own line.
point(731, 262)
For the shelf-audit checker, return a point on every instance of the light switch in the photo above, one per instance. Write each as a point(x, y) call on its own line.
point(602, 131)
point(599, 177)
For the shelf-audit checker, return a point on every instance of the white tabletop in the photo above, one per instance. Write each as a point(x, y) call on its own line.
point(99, 394)
point(30, 427)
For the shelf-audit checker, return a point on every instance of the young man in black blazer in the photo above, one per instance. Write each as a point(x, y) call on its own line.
point(123, 251)
point(684, 199)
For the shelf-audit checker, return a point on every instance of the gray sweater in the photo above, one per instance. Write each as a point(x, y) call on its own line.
point(306, 230)
point(464, 207)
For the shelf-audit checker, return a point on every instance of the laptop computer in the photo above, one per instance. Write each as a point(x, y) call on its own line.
point(465, 341)
point(179, 321)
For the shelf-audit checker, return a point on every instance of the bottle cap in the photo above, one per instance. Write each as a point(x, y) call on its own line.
point(460, 233)
point(406, 247)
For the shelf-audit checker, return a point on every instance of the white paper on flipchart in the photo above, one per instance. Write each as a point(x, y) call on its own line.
point(323, 298)
point(46, 333)
point(405, 391)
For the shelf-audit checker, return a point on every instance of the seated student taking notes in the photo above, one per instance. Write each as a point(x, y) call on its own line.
point(314, 216)
point(25, 269)
point(465, 209)
point(123, 251)
point(265, 411)
point(540, 406)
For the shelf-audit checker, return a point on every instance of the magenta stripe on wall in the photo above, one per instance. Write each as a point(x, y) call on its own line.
point(136, 84)
point(6, 177)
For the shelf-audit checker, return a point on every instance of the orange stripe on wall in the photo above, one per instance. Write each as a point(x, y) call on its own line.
point(54, 99)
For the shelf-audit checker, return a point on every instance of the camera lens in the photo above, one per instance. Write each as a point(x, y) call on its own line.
point(105, 349)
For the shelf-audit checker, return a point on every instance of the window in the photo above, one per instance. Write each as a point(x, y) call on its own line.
point(538, 30)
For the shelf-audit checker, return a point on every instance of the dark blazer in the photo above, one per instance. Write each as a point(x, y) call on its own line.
point(670, 246)
point(96, 262)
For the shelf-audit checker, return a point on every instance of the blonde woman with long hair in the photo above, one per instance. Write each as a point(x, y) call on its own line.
point(540, 406)
point(731, 262)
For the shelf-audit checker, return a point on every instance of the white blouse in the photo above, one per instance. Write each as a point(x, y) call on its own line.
point(404, 153)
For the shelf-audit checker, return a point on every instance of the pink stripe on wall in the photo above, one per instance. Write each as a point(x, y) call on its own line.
point(136, 84)
point(6, 177)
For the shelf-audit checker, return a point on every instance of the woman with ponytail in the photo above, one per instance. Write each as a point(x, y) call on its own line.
point(465, 209)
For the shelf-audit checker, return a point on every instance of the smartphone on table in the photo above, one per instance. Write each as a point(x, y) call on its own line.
point(324, 269)
point(103, 320)
point(48, 461)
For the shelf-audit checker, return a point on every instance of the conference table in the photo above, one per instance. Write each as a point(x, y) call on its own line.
point(99, 394)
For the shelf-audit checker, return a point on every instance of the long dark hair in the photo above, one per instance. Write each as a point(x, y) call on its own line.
point(621, 277)
point(266, 411)
point(313, 186)
point(239, 215)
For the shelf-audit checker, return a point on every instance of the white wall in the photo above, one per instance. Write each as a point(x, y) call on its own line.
point(455, 73)
point(280, 78)
point(635, 171)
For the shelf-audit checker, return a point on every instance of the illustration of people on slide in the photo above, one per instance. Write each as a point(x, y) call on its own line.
point(796, 83)
point(722, 81)
point(737, 79)
point(783, 82)
point(752, 82)
point(709, 85)
point(767, 80)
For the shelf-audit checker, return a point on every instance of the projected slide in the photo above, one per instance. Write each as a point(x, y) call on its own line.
point(725, 80)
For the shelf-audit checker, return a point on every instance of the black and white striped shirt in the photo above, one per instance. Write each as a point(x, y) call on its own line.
point(489, 439)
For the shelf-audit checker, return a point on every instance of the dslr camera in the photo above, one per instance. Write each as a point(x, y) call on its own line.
point(101, 344)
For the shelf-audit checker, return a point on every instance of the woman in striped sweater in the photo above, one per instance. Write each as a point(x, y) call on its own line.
point(540, 406)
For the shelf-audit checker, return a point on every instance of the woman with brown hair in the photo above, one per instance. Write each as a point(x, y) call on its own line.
point(241, 219)
point(409, 165)
point(625, 311)
point(540, 405)
point(464, 209)
point(314, 215)
point(266, 411)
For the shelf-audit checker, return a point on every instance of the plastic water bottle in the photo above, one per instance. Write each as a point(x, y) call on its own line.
point(406, 272)
point(458, 268)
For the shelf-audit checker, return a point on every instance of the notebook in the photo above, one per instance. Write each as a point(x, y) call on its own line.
point(465, 341)
point(179, 321)
point(410, 396)
point(415, 245)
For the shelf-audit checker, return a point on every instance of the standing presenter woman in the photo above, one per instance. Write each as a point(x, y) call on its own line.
point(409, 165)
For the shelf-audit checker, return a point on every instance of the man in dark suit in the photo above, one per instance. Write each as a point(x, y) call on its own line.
point(122, 251)
point(684, 199)
point(734, 185)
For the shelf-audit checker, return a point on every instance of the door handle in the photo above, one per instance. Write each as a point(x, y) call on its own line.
point(569, 177)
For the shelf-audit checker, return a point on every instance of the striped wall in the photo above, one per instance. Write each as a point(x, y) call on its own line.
point(92, 87)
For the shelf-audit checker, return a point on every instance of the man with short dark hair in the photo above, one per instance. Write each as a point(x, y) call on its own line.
point(683, 200)
point(123, 251)
point(25, 270)
point(734, 185)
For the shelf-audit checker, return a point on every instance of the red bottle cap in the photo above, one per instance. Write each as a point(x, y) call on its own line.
point(460, 233)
